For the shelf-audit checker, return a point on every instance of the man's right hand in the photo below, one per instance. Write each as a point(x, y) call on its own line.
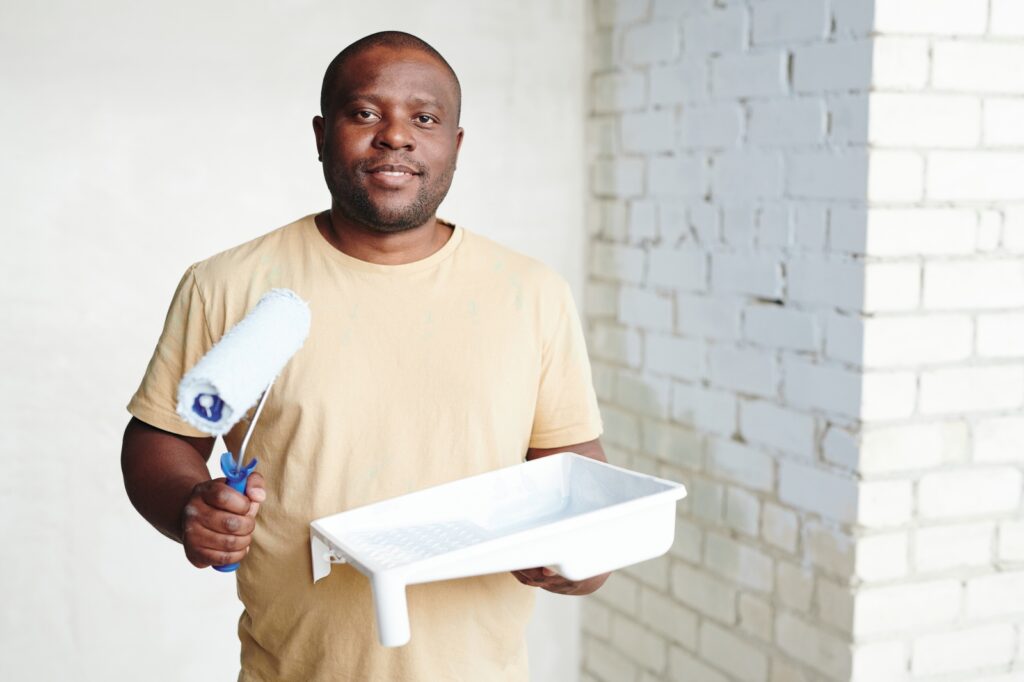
point(217, 521)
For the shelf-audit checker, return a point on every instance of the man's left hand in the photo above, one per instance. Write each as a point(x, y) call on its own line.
point(547, 579)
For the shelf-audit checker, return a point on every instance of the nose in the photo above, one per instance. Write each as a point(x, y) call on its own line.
point(394, 134)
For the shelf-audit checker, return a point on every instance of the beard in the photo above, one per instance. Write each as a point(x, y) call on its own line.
point(353, 200)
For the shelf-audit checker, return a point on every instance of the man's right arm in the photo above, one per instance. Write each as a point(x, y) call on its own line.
point(167, 481)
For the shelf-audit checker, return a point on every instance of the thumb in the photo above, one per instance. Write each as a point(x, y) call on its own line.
point(255, 488)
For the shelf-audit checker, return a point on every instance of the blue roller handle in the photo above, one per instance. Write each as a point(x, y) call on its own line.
point(237, 478)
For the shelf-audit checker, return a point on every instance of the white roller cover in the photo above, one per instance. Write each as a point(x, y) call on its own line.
point(242, 364)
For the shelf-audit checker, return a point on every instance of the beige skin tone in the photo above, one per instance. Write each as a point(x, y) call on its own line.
point(393, 131)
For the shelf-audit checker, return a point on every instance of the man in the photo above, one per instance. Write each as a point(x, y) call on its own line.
point(434, 354)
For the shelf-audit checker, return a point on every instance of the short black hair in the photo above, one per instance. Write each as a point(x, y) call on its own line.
point(394, 39)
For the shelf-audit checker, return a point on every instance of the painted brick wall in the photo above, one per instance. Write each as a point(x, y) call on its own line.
point(806, 300)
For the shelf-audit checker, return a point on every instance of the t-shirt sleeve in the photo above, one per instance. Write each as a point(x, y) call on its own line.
point(567, 411)
point(185, 339)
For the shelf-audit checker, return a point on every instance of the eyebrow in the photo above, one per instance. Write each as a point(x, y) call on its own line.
point(374, 99)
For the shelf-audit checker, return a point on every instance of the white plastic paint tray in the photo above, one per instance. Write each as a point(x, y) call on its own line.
point(570, 513)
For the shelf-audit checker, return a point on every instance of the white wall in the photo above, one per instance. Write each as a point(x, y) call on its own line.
point(138, 138)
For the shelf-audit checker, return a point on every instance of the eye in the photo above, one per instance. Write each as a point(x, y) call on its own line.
point(366, 115)
point(425, 119)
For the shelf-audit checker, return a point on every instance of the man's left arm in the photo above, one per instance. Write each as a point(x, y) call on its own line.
point(546, 578)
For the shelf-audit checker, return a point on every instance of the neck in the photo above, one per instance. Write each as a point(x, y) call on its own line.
point(382, 248)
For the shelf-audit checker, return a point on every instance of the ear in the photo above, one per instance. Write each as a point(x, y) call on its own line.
point(318, 132)
point(458, 142)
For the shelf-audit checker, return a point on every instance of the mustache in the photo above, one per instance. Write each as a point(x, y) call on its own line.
point(365, 165)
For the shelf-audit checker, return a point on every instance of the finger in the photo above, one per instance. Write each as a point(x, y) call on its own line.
point(199, 537)
point(218, 521)
point(533, 574)
point(202, 557)
point(218, 495)
point(254, 488)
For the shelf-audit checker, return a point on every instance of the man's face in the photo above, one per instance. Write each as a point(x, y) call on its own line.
point(390, 138)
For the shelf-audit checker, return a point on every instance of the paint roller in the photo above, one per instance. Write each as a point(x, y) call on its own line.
point(238, 371)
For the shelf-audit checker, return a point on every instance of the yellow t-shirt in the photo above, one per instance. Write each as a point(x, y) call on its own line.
point(412, 375)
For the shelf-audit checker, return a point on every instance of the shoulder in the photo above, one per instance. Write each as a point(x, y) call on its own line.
point(494, 259)
point(239, 262)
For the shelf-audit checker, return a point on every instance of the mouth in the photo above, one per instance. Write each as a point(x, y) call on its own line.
point(392, 176)
point(392, 170)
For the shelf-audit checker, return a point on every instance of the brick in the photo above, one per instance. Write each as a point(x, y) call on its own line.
point(683, 665)
point(789, 22)
point(971, 389)
point(813, 489)
point(708, 126)
point(708, 317)
point(840, 447)
point(931, 17)
point(674, 622)
point(920, 232)
point(881, 557)
point(853, 18)
point(900, 63)
point(706, 594)
point(747, 174)
point(832, 282)
point(742, 511)
point(706, 409)
point(607, 664)
point(617, 262)
point(896, 609)
point(619, 92)
point(848, 119)
point(706, 499)
point(612, 12)
point(647, 131)
point(643, 394)
point(940, 548)
point(891, 286)
point(781, 327)
point(885, 504)
point(683, 176)
point(645, 309)
point(740, 464)
point(1007, 18)
point(1001, 124)
point(794, 586)
point(887, 395)
point(999, 440)
point(683, 269)
point(832, 67)
point(1011, 541)
point(975, 175)
point(621, 428)
point(746, 273)
point(787, 123)
point(613, 220)
point(622, 592)
point(896, 176)
point(720, 30)
point(739, 222)
point(601, 299)
point(738, 562)
point(674, 444)
point(990, 229)
point(673, 225)
point(1013, 236)
point(912, 447)
point(704, 218)
point(779, 527)
point(828, 548)
point(961, 493)
point(917, 340)
point(604, 381)
point(756, 617)
point(828, 175)
point(777, 427)
point(688, 542)
point(621, 178)
point(642, 647)
point(648, 43)
point(808, 643)
point(745, 370)
point(821, 388)
point(844, 338)
point(879, 661)
point(732, 654)
point(676, 357)
point(751, 74)
point(616, 344)
point(774, 226)
point(596, 619)
point(686, 80)
point(1001, 335)
point(925, 120)
point(848, 229)
point(785, 670)
point(963, 650)
point(989, 596)
point(835, 604)
point(643, 221)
